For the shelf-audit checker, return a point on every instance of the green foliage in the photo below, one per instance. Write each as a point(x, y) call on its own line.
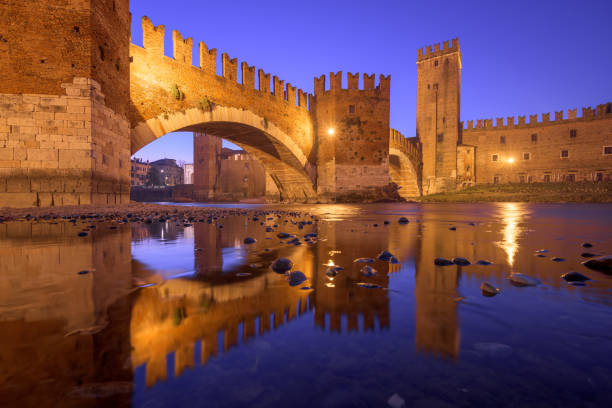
point(177, 93)
point(206, 104)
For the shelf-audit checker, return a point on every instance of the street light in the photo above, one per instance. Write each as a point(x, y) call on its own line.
point(331, 131)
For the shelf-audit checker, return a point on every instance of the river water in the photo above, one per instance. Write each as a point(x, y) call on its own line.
point(187, 315)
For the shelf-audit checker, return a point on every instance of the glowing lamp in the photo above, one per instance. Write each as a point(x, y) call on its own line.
point(511, 160)
point(330, 131)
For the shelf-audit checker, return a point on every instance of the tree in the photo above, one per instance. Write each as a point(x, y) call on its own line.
point(154, 177)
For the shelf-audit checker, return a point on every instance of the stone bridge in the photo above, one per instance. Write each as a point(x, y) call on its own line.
point(70, 119)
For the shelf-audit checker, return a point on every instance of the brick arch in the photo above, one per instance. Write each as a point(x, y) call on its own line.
point(280, 156)
point(405, 165)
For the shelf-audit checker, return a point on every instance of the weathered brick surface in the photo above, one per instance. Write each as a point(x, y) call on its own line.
point(49, 158)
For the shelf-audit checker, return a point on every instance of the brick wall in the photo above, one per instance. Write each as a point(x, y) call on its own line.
point(539, 159)
point(62, 150)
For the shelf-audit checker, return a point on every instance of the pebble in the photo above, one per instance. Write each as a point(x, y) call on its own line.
point(394, 261)
point(85, 272)
point(575, 277)
point(484, 262)
point(557, 259)
point(368, 285)
point(296, 278)
point(403, 220)
point(587, 245)
point(520, 279)
point(368, 271)
point(461, 261)
point(333, 271)
point(249, 240)
point(385, 256)
point(82, 234)
point(283, 235)
point(601, 264)
point(442, 262)
point(587, 255)
point(364, 260)
point(488, 289)
point(453, 228)
point(281, 265)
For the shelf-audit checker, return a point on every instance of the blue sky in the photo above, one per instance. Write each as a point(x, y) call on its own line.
point(519, 57)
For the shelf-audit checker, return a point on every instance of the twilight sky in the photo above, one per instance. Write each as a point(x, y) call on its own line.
point(519, 57)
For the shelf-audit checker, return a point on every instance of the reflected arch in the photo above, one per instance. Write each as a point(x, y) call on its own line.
point(280, 156)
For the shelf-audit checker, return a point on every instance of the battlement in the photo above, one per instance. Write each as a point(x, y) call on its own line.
point(602, 111)
point(447, 48)
point(335, 84)
point(153, 44)
point(409, 146)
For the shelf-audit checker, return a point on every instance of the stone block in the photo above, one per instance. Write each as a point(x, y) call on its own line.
point(45, 199)
point(9, 164)
point(18, 184)
point(30, 164)
point(42, 154)
point(6, 154)
point(18, 200)
point(74, 159)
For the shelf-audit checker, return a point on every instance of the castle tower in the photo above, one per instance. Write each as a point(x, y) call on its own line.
point(206, 165)
point(354, 157)
point(438, 114)
point(64, 86)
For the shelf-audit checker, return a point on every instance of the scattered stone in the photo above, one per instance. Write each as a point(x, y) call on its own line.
point(241, 274)
point(82, 234)
point(541, 256)
point(587, 245)
point(85, 272)
point(453, 228)
point(484, 262)
point(333, 271)
point(249, 240)
point(601, 264)
point(386, 222)
point(557, 259)
point(461, 261)
point(368, 271)
point(296, 278)
point(385, 256)
point(363, 260)
point(575, 277)
point(488, 289)
point(395, 401)
point(442, 262)
point(403, 220)
point(394, 261)
point(587, 255)
point(310, 235)
point(281, 265)
point(520, 279)
point(368, 285)
point(306, 288)
point(283, 235)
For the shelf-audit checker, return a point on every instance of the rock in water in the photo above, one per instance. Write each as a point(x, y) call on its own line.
point(442, 262)
point(575, 277)
point(364, 260)
point(484, 262)
point(453, 229)
point(601, 264)
point(296, 278)
point(368, 285)
point(333, 270)
point(249, 240)
point(403, 220)
point(394, 261)
point(587, 255)
point(461, 261)
point(368, 271)
point(283, 235)
point(587, 245)
point(82, 234)
point(385, 256)
point(557, 259)
point(488, 289)
point(520, 279)
point(281, 265)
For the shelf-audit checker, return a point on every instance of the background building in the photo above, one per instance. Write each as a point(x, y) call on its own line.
point(139, 172)
point(170, 173)
point(188, 173)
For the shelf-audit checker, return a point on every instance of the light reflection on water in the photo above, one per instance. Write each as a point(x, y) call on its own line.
point(213, 324)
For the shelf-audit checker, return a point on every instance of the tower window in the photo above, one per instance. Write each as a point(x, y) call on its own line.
point(526, 156)
point(440, 137)
point(607, 150)
point(502, 139)
point(564, 154)
point(495, 157)
point(534, 138)
point(351, 108)
point(573, 133)
point(495, 179)
point(435, 63)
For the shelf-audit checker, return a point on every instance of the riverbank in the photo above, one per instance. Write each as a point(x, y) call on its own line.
point(575, 192)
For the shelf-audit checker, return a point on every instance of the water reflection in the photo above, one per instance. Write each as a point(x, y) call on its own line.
point(166, 301)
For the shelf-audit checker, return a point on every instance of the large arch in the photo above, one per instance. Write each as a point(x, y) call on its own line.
point(404, 173)
point(277, 152)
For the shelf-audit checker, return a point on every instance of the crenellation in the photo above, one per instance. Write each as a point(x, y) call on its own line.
point(479, 123)
point(558, 116)
point(279, 88)
point(488, 123)
point(183, 48)
point(248, 75)
point(230, 67)
point(510, 121)
point(319, 85)
point(545, 117)
point(521, 120)
point(368, 82)
point(533, 119)
point(427, 52)
point(571, 113)
point(208, 59)
point(587, 113)
point(264, 81)
point(335, 81)
point(153, 37)
point(302, 99)
point(290, 91)
point(499, 122)
point(353, 81)
point(384, 84)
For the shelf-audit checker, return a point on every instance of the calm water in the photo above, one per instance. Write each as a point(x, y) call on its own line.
point(189, 316)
